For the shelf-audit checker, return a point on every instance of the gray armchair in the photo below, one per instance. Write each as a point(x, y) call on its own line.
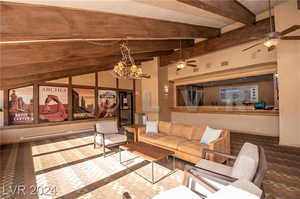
point(192, 176)
point(249, 165)
point(107, 135)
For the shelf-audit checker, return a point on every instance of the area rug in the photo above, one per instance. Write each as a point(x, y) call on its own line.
point(72, 168)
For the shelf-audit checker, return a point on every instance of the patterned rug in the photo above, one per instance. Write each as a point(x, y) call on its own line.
point(70, 167)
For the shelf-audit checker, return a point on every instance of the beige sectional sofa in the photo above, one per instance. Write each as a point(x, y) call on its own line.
point(184, 140)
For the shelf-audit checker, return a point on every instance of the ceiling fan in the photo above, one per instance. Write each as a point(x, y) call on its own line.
point(182, 63)
point(272, 38)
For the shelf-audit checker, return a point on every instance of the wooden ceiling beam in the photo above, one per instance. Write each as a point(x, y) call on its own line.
point(235, 37)
point(231, 9)
point(37, 78)
point(38, 22)
point(28, 73)
point(31, 53)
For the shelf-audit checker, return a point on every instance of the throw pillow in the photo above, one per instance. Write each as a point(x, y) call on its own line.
point(210, 135)
point(151, 127)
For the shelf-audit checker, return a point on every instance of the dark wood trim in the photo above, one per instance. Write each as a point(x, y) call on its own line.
point(134, 101)
point(36, 103)
point(96, 95)
point(83, 86)
point(229, 39)
point(68, 23)
point(6, 106)
point(54, 84)
point(70, 100)
point(298, 4)
point(231, 9)
point(117, 83)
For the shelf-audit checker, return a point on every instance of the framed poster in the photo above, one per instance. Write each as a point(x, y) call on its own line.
point(20, 105)
point(53, 104)
point(83, 103)
point(107, 103)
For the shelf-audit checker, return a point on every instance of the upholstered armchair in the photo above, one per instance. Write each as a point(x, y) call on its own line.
point(249, 165)
point(238, 189)
point(107, 135)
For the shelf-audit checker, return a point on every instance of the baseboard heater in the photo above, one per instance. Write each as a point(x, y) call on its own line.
point(49, 135)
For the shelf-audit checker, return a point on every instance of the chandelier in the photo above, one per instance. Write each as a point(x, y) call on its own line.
point(126, 68)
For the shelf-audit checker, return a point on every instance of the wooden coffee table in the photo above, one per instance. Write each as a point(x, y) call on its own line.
point(148, 152)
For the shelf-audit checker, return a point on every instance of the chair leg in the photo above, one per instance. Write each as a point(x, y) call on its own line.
point(103, 150)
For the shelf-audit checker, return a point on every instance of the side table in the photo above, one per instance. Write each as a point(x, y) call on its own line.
point(134, 130)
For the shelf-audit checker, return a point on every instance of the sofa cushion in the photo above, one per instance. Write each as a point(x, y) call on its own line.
point(176, 129)
point(151, 127)
point(246, 164)
point(198, 132)
point(215, 167)
point(191, 147)
point(164, 127)
point(187, 131)
point(210, 135)
point(170, 141)
point(151, 137)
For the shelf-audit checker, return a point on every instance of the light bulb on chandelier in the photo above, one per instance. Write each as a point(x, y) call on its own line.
point(126, 67)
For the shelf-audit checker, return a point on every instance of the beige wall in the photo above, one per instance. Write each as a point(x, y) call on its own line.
point(126, 84)
point(234, 55)
point(163, 99)
point(253, 124)
point(60, 81)
point(106, 79)
point(150, 89)
point(288, 58)
point(85, 80)
point(138, 96)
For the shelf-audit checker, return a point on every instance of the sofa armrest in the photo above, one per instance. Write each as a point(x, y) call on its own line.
point(205, 151)
point(222, 144)
point(141, 130)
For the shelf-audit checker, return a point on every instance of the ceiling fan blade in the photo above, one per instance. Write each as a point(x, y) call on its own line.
point(192, 65)
point(191, 61)
point(252, 46)
point(290, 38)
point(271, 48)
point(290, 29)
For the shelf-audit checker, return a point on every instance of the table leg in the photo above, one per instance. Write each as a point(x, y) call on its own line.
point(152, 172)
point(120, 154)
point(173, 162)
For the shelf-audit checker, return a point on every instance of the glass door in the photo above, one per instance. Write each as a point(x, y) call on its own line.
point(126, 108)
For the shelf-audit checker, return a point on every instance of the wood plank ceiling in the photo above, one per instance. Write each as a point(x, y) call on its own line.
point(40, 43)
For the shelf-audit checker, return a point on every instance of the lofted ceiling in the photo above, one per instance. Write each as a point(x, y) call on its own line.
point(169, 10)
point(40, 42)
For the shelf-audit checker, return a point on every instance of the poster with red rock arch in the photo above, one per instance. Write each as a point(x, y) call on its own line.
point(20, 105)
point(53, 104)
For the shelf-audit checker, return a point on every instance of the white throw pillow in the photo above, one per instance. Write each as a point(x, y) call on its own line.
point(152, 127)
point(210, 135)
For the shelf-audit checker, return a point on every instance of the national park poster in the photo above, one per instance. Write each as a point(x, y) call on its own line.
point(20, 105)
point(53, 104)
point(83, 103)
point(107, 103)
